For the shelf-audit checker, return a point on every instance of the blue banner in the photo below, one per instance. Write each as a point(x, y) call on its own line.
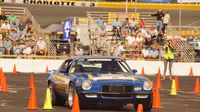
point(158, 0)
point(67, 30)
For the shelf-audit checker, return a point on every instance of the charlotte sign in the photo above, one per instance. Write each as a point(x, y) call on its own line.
point(52, 2)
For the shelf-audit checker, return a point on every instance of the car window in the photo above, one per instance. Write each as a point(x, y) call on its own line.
point(65, 66)
point(99, 65)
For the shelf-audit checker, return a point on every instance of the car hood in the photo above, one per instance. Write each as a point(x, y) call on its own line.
point(107, 76)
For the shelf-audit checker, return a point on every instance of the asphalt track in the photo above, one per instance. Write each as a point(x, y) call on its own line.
point(16, 100)
point(46, 15)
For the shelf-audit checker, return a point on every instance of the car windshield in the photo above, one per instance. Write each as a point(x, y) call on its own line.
point(100, 66)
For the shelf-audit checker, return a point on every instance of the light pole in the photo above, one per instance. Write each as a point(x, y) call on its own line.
point(126, 6)
point(180, 19)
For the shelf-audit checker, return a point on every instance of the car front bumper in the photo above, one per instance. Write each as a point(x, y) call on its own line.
point(113, 98)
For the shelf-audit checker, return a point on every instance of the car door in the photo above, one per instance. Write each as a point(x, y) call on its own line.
point(63, 77)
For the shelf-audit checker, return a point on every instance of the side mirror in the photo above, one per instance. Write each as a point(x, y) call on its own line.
point(134, 71)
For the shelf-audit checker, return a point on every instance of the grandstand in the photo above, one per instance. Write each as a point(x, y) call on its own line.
point(104, 42)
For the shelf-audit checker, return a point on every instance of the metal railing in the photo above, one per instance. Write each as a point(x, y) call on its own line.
point(187, 52)
point(20, 12)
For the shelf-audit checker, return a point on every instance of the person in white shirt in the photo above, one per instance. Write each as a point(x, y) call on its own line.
point(166, 21)
point(78, 51)
point(154, 52)
point(130, 40)
point(145, 53)
point(41, 46)
point(133, 24)
point(6, 26)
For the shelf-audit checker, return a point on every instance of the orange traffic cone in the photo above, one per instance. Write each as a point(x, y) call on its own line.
point(196, 88)
point(153, 89)
point(31, 84)
point(142, 73)
point(32, 105)
point(158, 83)
point(14, 69)
point(191, 72)
point(156, 100)
point(4, 87)
point(140, 108)
point(75, 107)
point(47, 69)
point(177, 83)
point(1, 75)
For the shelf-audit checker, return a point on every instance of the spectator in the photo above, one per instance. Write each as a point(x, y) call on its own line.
point(153, 32)
point(166, 21)
point(120, 50)
point(29, 29)
point(116, 24)
point(118, 34)
point(1, 46)
point(16, 50)
point(100, 22)
point(21, 28)
point(28, 50)
point(142, 23)
point(14, 36)
point(154, 52)
point(41, 47)
point(130, 39)
point(7, 43)
point(6, 26)
point(145, 53)
point(12, 20)
point(148, 41)
point(126, 22)
point(124, 31)
point(78, 51)
point(133, 25)
point(159, 15)
point(3, 17)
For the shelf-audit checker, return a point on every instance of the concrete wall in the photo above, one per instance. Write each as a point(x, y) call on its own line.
point(150, 67)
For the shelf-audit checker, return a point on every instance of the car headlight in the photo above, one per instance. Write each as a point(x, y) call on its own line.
point(87, 85)
point(147, 85)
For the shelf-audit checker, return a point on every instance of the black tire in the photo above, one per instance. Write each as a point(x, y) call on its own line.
point(71, 95)
point(147, 106)
point(56, 100)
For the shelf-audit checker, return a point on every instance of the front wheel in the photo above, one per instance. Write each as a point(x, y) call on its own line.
point(71, 95)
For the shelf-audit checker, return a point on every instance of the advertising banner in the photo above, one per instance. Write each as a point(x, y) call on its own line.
point(188, 1)
point(166, 1)
point(67, 30)
point(52, 2)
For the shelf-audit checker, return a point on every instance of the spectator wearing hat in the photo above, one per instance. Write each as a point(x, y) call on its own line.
point(7, 44)
point(159, 15)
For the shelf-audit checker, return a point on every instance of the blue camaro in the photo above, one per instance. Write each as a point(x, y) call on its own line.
point(99, 80)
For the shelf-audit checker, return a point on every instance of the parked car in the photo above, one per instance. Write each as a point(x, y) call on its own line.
point(99, 80)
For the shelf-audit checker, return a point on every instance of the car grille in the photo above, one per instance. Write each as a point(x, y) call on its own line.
point(117, 88)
